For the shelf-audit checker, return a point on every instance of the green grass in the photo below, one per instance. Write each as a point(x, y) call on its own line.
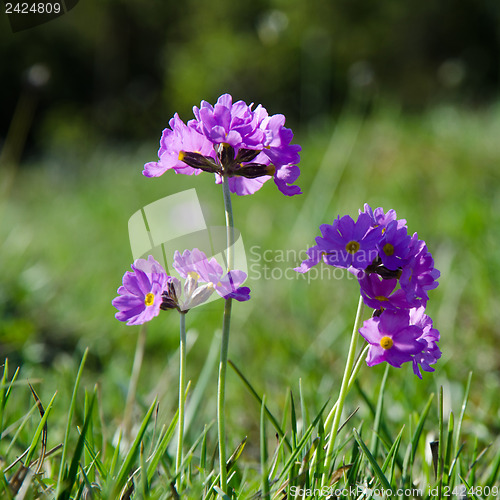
point(64, 248)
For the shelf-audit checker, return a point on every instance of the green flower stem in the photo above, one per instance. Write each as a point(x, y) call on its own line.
point(344, 389)
point(228, 207)
point(352, 378)
point(221, 417)
point(226, 322)
point(182, 396)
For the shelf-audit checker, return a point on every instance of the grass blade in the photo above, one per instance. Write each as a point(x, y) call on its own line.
point(70, 479)
point(494, 471)
point(391, 456)
point(447, 452)
point(263, 451)
point(68, 425)
point(378, 414)
point(144, 473)
point(301, 444)
point(121, 478)
point(376, 468)
point(441, 444)
point(254, 393)
point(162, 447)
point(38, 432)
point(420, 426)
point(462, 413)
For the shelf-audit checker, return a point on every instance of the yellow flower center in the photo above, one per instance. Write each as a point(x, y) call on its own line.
point(386, 342)
point(149, 299)
point(352, 247)
point(381, 298)
point(182, 154)
point(194, 275)
point(388, 249)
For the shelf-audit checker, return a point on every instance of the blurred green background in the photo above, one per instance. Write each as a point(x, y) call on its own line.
point(394, 104)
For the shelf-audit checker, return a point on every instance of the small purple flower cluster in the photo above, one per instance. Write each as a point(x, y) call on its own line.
point(379, 251)
point(247, 146)
point(148, 289)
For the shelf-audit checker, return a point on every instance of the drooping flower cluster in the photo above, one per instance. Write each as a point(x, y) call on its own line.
point(395, 271)
point(148, 289)
point(230, 139)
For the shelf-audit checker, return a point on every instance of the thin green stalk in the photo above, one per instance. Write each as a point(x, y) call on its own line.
point(344, 389)
point(226, 322)
point(228, 207)
point(354, 374)
point(182, 396)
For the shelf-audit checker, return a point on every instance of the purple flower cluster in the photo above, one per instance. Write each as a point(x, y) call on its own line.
point(230, 139)
point(148, 289)
point(395, 271)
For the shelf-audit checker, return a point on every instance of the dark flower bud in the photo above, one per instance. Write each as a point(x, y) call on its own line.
point(169, 298)
point(246, 155)
point(253, 170)
point(168, 303)
point(226, 154)
point(388, 274)
point(197, 160)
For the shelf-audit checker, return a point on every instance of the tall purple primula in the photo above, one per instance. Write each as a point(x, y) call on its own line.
point(148, 289)
point(395, 271)
point(247, 146)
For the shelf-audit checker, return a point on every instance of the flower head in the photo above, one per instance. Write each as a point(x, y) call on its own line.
point(431, 352)
point(345, 243)
point(140, 296)
point(380, 218)
point(419, 275)
point(391, 338)
point(394, 272)
point(379, 293)
point(247, 146)
point(148, 289)
point(195, 263)
point(394, 245)
point(234, 124)
point(174, 143)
